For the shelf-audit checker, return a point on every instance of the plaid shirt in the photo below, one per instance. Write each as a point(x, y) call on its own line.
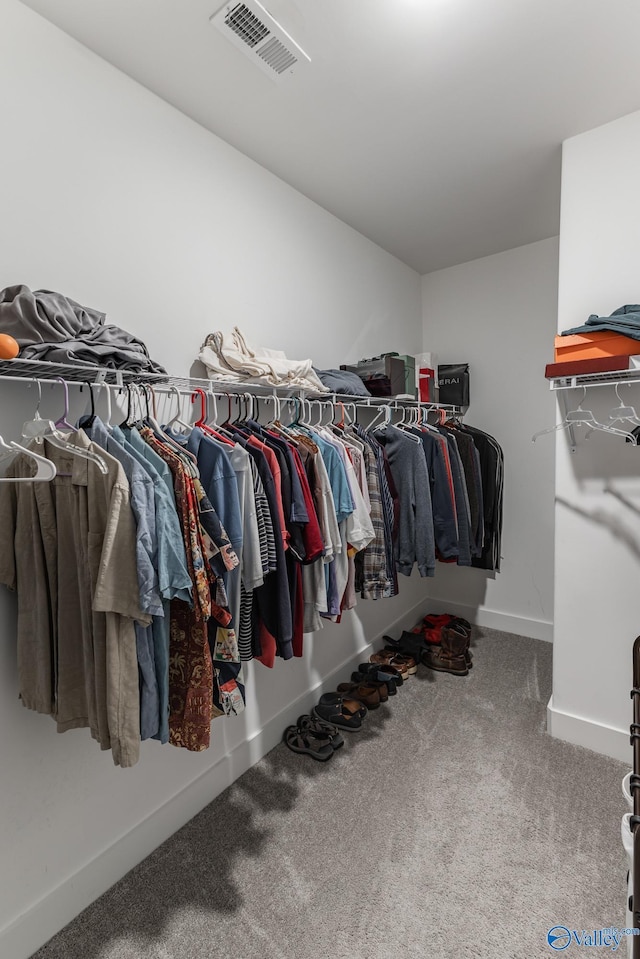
point(375, 567)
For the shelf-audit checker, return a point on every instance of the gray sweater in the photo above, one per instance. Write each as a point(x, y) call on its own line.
point(415, 543)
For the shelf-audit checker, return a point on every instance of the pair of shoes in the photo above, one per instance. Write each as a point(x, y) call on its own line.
point(393, 655)
point(451, 655)
point(371, 694)
point(372, 672)
point(314, 737)
point(406, 650)
point(345, 712)
point(433, 625)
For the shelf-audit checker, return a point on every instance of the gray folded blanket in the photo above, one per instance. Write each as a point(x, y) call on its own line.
point(50, 326)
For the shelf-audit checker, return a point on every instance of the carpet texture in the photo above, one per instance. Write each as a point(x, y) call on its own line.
point(451, 826)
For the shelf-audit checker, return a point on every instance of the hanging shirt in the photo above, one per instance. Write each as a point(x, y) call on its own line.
point(173, 576)
point(416, 542)
point(143, 506)
point(78, 594)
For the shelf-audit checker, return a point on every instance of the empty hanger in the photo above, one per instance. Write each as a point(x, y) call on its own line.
point(46, 468)
point(580, 417)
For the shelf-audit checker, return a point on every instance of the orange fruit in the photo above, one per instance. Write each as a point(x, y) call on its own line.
point(9, 348)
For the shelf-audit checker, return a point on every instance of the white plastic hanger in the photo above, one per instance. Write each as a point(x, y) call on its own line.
point(46, 468)
point(622, 413)
point(41, 430)
point(580, 417)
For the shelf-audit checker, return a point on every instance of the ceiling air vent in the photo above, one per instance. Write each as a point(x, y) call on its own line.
point(261, 38)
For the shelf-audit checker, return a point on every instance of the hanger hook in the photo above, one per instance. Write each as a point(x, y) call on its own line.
point(66, 396)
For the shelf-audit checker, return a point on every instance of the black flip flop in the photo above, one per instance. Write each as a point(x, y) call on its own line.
point(305, 742)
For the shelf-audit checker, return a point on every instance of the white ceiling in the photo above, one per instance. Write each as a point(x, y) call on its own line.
point(431, 126)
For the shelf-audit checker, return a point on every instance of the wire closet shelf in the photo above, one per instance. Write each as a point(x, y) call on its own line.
point(32, 371)
point(594, 379)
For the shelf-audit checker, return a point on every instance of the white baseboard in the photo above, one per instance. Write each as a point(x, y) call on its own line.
point(581, 731)
point(44, 918)
point(493, 619)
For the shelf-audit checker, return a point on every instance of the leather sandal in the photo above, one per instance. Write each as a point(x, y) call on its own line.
point(306, 742)
point(321, 729)
point(362, 692)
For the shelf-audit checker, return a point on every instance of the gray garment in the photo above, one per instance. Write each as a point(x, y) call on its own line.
point(415, 542)
point(50, 326)
point(143, 506)
point(77, 594)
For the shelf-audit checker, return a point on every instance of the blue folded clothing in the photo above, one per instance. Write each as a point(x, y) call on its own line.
point(342, 381)
point(625, 320)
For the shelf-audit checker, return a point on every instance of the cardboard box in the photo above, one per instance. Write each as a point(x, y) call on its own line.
point(585, 346)
point(597, 364)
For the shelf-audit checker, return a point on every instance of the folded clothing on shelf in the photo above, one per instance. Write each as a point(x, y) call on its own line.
point(343, 381)
point(51, 327)
point(228, 356)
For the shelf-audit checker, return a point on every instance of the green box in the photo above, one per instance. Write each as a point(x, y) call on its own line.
point(409, 374)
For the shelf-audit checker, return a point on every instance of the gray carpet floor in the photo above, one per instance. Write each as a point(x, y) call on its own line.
point(451, 826)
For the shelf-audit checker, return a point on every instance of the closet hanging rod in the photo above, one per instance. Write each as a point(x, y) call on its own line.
point(33, 371)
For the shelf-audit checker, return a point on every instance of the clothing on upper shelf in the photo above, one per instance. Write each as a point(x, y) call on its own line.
point(51, 327)
point(228, 356)
point(142, 590)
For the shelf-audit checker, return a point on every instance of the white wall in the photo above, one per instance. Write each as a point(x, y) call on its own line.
point(118, 200)
point(499, 315)
point(597, 616)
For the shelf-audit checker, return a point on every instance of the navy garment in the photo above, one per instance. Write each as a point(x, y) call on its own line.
point(466, 450)
point(272, 602)
point(464, 532)
point(444, 518)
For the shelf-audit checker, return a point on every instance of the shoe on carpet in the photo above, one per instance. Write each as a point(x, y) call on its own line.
point(300, 741)
point(365, 693)
point(450, 656)
point(340, 711)
point(372, 676)
point(321, 730)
